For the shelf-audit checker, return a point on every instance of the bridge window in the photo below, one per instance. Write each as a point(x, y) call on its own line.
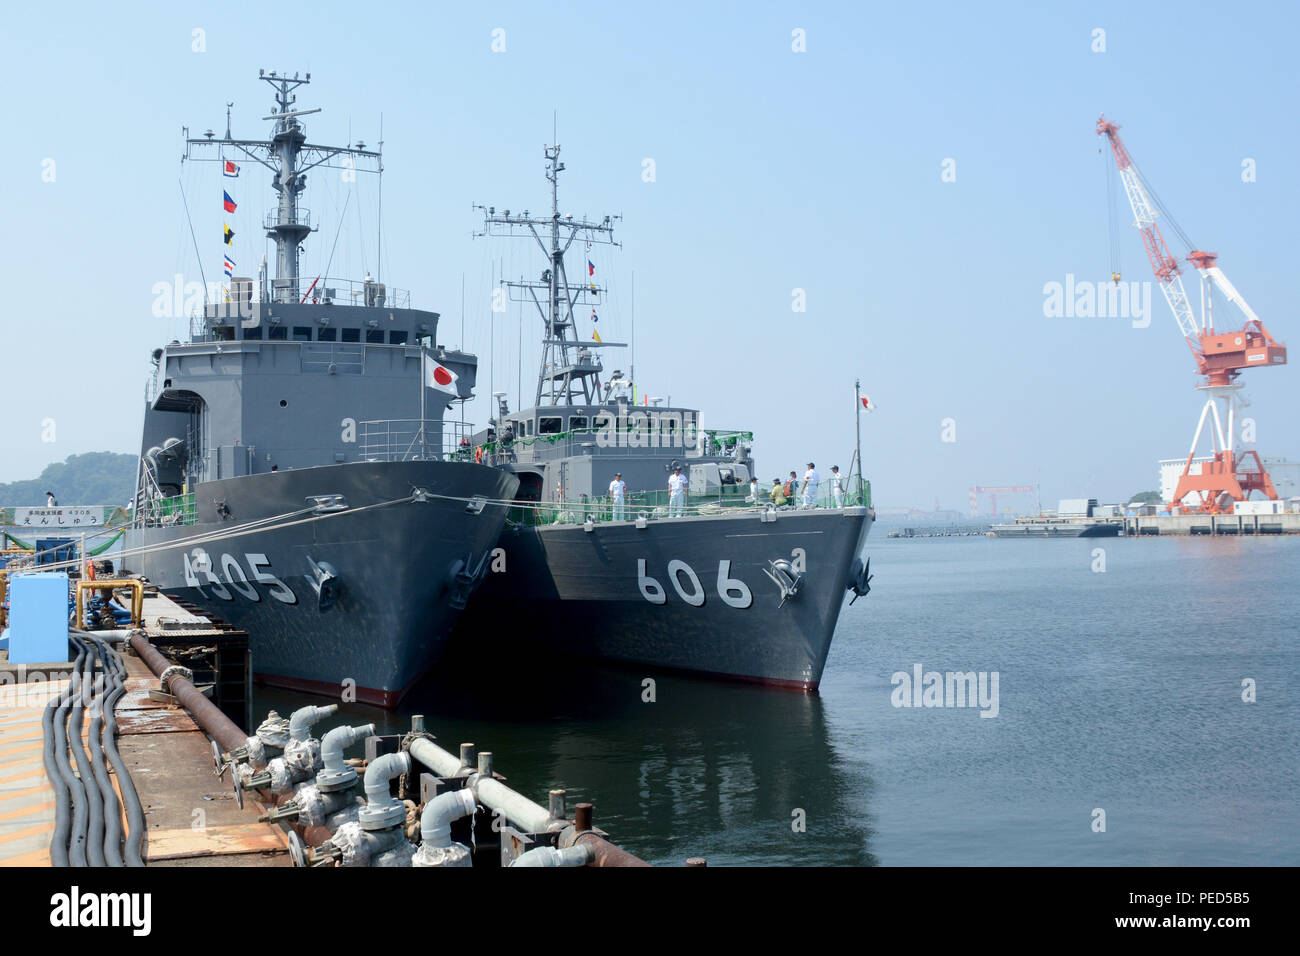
point(549, 426)
point(397, 337)
point(374, 336)
point(577, 423)
point(254, 333)
point(277, 332)
point(327, 335)
point(302, 333)
point(351, 335)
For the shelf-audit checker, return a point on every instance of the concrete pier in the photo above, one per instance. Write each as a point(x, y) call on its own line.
point(1213, 524)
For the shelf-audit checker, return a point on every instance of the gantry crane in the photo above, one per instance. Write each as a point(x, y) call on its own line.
point(1220, 357)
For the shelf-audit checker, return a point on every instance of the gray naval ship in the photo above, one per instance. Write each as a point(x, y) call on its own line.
point(733, 587)
point(296, 476)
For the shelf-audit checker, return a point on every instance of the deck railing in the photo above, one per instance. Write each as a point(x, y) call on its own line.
point(656, 505)
point(413, 439)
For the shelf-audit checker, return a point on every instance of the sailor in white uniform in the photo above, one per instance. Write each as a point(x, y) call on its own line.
point(676, 492)
point(810, 482)
point(617, 491)
point(837, 487)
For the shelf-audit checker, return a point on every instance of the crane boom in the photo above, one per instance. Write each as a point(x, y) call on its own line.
point(1163, 264)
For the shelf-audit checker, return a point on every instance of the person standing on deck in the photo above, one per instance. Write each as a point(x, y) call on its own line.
point(777, 494)
point(676, 492)
point(753, 491)
point(837, 487)
point(49, 500)
point(617, 490)
point(810, 482)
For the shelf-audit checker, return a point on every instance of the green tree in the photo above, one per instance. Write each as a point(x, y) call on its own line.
point(1148, 497)
point(95, 478)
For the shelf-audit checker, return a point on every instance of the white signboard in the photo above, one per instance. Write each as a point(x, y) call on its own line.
point(58, 518)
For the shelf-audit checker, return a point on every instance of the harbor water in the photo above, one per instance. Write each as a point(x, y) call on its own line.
point(1124, 733)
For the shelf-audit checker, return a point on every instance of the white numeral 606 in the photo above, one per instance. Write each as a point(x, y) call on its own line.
point(733, 591)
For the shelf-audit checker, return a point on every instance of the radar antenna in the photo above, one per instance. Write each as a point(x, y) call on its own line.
point(569, 367)
point(289, 156)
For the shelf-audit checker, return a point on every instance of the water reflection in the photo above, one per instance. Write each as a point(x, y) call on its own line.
point(706, 769)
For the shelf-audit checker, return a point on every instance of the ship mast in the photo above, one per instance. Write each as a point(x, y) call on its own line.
point(289, 156)
point(569, 368)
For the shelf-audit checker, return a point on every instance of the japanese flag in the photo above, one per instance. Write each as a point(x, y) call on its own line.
point(439, 377)
point(868, 404)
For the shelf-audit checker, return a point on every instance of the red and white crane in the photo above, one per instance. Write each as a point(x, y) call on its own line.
point(1220, 357)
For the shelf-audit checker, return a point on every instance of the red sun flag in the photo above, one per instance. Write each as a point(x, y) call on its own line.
point(868, 404)
point(439, 377)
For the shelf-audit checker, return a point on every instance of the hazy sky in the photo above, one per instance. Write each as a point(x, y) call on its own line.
point(775, 171)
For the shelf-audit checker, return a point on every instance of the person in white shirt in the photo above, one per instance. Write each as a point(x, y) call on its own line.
point(676, 492)
point(753, 492)
point(837, 487)
point(617, 491)
point(810, 482)
point(49, 500)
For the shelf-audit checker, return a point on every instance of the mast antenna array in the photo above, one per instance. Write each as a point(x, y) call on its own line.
point(569, 367)
point(288, 156)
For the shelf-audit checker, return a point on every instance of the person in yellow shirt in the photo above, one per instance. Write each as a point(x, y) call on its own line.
point(777, 493)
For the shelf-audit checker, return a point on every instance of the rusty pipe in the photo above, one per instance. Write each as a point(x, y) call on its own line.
point(208, 716)
point(603, 853)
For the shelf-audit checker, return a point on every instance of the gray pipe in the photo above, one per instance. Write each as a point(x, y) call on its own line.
point(382, 811)
point(435, 822)
point(382, 770)
point(530, 817)
point(302, 720)
point(338, 740)
point(579, 855)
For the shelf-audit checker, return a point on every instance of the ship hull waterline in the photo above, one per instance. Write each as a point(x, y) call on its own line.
point(396, 586)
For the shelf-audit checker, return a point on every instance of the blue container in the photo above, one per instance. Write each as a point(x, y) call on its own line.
point(56, 550)
point(38, 617)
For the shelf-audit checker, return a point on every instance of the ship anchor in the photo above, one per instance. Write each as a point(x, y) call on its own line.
point(786, 578)
point(860, 579)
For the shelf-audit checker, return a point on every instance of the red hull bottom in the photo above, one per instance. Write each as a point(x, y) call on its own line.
point(390, 699)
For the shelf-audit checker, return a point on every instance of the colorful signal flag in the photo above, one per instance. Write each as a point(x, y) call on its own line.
point(230, 169)
point(228, 202)
point(230, 234)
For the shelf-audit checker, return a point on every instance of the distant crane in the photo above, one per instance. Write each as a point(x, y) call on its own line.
point(1220, 358)
point(993, 493)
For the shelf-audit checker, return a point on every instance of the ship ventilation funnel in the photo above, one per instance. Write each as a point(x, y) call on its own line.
point(173, 449)
point(325, 582)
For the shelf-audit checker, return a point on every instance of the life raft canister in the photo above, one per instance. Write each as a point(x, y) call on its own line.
point(478, 454)
point(90, 570)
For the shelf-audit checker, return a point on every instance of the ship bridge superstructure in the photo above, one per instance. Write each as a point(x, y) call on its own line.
point(288, 373)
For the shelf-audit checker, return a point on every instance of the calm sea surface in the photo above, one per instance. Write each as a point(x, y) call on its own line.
point(1118, 691)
